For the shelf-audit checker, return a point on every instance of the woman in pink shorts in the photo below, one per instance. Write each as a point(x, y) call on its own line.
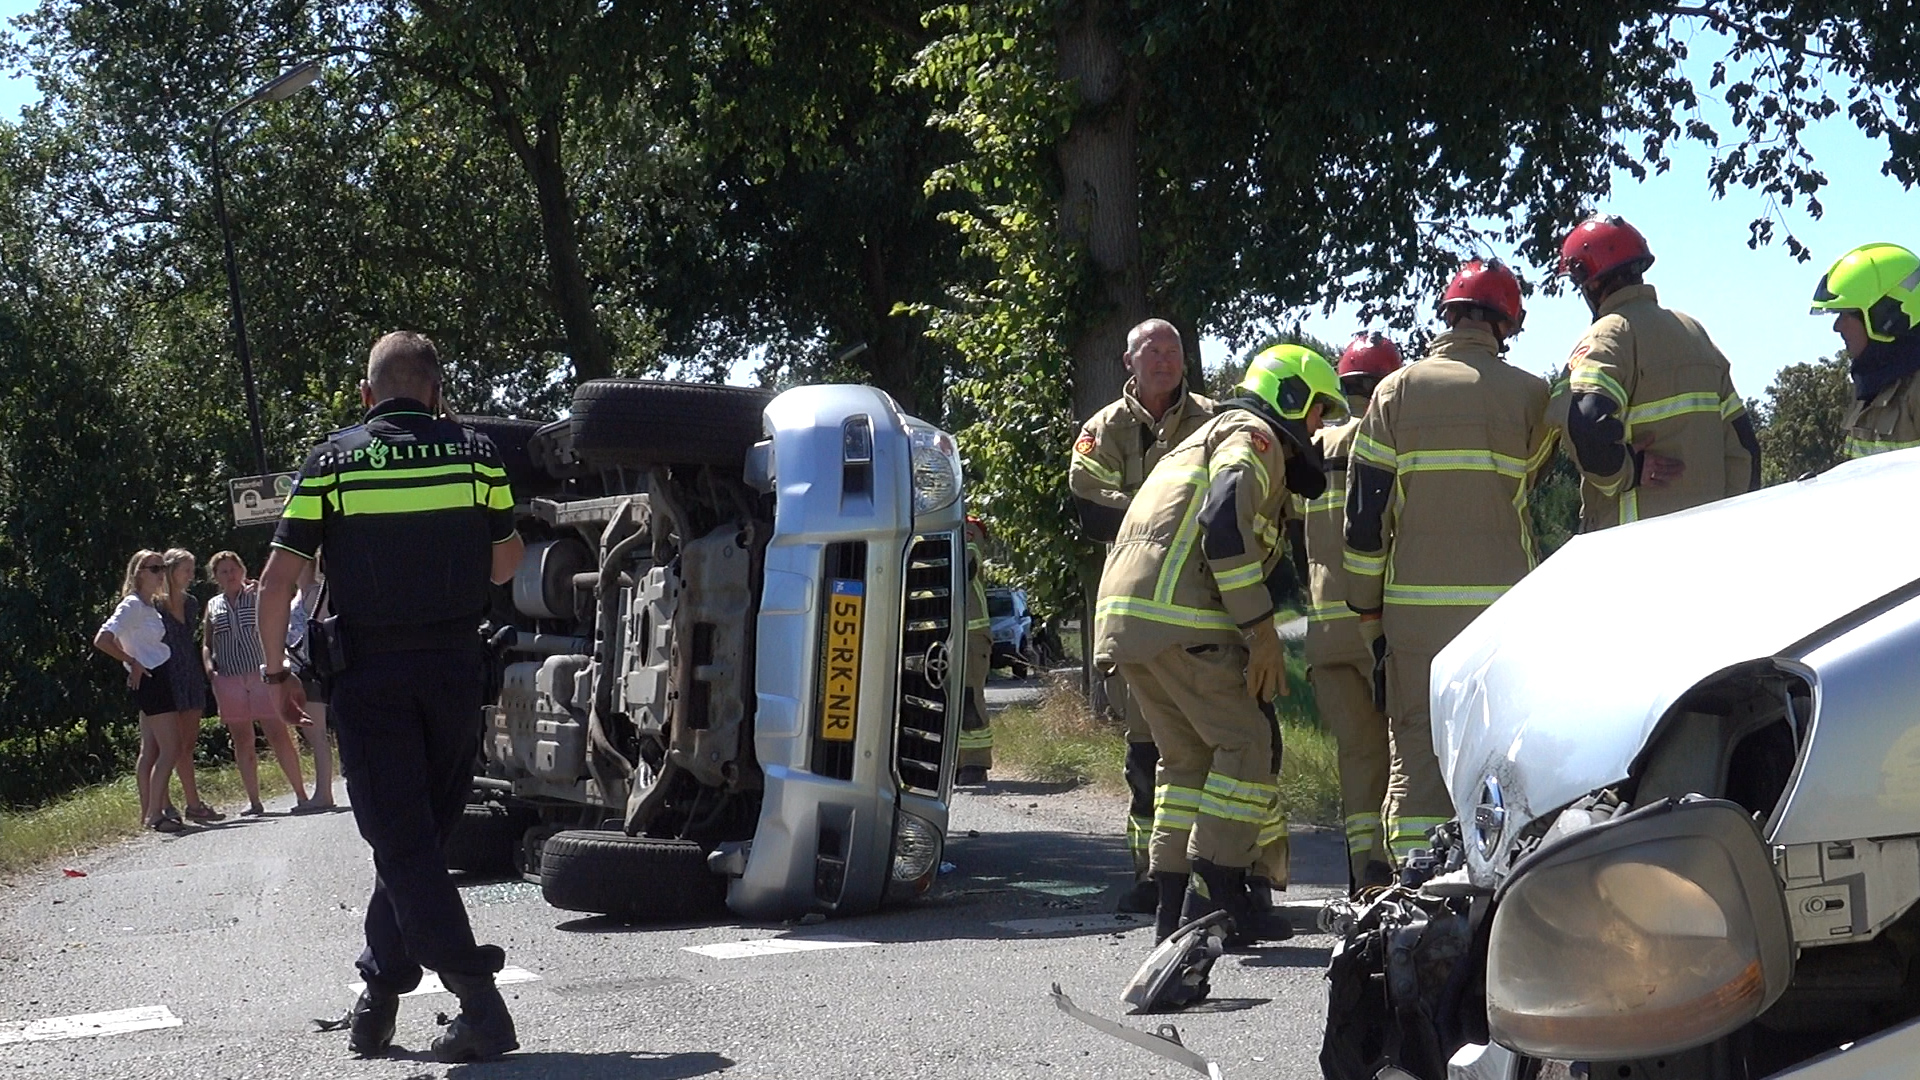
point(232, 647)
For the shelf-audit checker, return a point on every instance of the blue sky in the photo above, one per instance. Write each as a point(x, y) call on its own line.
point(1754, 303)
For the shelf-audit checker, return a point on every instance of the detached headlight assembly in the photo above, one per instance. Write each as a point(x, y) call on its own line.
point(936, 468)
point(1658, 931)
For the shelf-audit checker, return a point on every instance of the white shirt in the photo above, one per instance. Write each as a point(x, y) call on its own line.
point(136, 625)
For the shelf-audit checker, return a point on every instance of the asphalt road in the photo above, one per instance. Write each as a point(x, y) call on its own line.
point(246, 930)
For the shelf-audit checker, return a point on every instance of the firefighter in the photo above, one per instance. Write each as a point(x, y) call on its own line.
point(976, 733)
point(1436, 516)
point(1185, 615)
point(1652, 417)
point(1873, 293)
point(1115, 450)
point(1340, 667)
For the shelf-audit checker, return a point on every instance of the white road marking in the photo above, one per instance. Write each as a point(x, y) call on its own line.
point(88, 1025)
point(431, 984)
point(1101, 921)
point(777, 946)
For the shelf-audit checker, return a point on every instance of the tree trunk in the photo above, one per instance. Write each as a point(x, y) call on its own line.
point(892, 343)
point(1100, 201)
point(566, 277)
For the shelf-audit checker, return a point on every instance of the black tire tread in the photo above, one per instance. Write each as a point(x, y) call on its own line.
point(637, 878)
point(510, 436)
point(644, 422)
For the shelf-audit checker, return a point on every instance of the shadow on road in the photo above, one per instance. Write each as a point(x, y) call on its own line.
point(614, 1065)
point(1288, 956)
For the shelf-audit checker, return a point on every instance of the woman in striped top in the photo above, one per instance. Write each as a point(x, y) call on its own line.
point(233, 658)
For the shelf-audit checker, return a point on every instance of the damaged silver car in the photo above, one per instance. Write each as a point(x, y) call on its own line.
point(1684, 756)
point(727, 670)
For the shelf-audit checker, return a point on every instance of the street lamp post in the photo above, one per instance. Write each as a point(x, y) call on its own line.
point(284, 85)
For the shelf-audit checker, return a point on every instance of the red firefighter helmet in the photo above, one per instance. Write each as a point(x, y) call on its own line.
point(1370, 354)
point(1600, 245)
point(976, 530)
point(1489, 284)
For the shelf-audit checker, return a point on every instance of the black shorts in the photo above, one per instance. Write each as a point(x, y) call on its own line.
point(154, 695)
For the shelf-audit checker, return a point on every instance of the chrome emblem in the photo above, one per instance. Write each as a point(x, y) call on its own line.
point(934, 664)
point(1489, 820)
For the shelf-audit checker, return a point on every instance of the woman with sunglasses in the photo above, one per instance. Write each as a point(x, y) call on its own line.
point(136, 636)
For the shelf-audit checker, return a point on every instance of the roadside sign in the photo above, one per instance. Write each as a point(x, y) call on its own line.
point(258, 500)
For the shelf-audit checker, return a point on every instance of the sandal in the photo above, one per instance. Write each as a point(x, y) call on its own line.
point(166, 824)
point(203, 812)
point(256, 810)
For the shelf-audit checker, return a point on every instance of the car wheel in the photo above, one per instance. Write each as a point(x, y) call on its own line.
point(510, 438)
point(636, 878)
point(637, 423)
point(487, 837)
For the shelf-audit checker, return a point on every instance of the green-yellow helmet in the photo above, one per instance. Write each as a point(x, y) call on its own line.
point(1291, 378)
point(1881, 282)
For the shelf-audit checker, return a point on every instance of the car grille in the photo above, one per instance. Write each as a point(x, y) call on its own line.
point(927, 662)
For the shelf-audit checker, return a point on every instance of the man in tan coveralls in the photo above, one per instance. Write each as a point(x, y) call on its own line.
point(1113, 454)
point(1185, 614)
point(976, 731)
point(1340, 666)
point(1437, 527)
point(1650, 413)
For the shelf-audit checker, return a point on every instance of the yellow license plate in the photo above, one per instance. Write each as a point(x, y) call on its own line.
point(840, 684)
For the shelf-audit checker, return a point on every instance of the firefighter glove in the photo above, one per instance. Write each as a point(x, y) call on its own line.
point(1266, 662)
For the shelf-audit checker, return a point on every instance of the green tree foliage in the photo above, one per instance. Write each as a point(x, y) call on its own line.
point(1799, 423)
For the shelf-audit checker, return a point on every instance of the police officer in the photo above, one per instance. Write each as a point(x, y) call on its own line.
point(1112, 456)
point(1873, 292)
point(1651, 413)
point(416, 517)
point(1437, 491)
point(976, 731)
point(1185, 614)
point(1341, 669)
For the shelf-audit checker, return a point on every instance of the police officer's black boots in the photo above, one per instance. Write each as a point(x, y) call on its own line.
point(1172, 890)
point(483, 1030)
point(370, 1022)
point(1226, 887)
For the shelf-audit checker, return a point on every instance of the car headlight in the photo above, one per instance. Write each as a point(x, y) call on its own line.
point(916, 855)
point(936, 468)
point(1658, 931)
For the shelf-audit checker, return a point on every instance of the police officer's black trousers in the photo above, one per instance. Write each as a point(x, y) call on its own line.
point(409, 728)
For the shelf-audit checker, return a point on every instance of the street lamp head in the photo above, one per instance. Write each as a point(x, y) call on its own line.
point(288, 83)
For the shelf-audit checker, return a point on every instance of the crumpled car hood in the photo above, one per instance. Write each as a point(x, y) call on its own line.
point(1555, 688)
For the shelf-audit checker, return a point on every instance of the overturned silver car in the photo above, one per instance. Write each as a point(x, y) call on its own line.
point(1684, 756)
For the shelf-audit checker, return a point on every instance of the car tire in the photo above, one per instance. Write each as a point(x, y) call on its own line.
point(510, 438)
point(638, 423)
point(635, 878)
point(485, 840)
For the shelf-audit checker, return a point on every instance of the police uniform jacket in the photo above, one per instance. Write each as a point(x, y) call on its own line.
point(1190, 563)
point(1665, 379)
point(1437, 489)
point(407, 507)
point(1890, 420)
point(1117, 449)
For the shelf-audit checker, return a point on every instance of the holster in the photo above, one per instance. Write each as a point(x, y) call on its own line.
point(327, 653)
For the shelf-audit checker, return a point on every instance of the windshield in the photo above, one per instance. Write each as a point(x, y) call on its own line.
point(999, 605)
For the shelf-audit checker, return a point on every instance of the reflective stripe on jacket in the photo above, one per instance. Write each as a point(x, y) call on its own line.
point(1671, 383)
point(1891, 421)
point(1189, 566)
point(1463, 437)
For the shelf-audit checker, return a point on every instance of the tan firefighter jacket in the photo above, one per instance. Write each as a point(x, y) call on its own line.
point(1672, 383)
point(1331, 637)
point(1119, 446)
point(1891, 421)
point(1190, 563)
point(1437, 489)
